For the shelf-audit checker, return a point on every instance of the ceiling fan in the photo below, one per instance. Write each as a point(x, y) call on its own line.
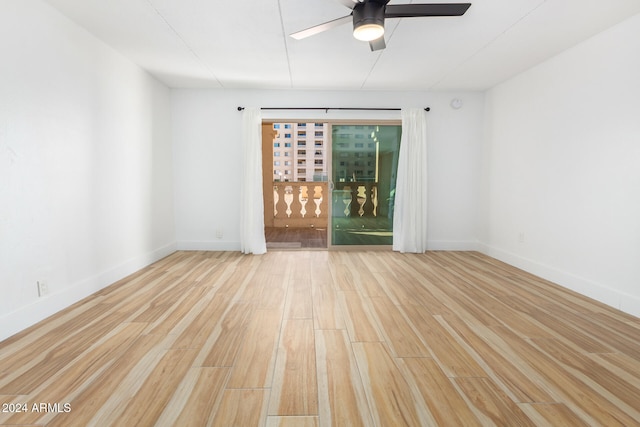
point(369, 15)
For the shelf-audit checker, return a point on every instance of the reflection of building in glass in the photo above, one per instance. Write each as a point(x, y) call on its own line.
point(368, 156)
point(355, 153)
point(299, 152)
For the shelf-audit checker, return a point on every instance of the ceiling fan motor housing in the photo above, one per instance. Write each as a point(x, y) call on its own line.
point(368, 13)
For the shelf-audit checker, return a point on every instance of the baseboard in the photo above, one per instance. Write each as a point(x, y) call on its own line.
point(42, 308)
point(433, 245)
point(452, 245)
point(208, 246)
point(624, 302)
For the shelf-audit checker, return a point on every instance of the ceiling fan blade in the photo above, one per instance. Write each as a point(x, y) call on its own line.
point(433, 9)
point(320, 28)
point(377, 44)
point(349, 3)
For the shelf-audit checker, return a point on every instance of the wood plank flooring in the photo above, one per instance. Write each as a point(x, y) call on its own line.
point(316, 338)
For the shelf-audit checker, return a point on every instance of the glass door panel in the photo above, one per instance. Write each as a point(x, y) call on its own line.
point(364, 168)
point(295, 188)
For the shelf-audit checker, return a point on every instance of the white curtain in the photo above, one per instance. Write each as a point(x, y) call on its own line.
point(410, 210)
point(251, 206)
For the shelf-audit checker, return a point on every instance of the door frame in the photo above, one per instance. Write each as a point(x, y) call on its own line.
point(267, 159)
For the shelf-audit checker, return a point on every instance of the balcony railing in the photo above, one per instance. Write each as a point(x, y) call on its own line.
point(300, 204)
point(306, 204)
point(359, 199)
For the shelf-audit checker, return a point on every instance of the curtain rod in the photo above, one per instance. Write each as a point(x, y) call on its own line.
point(332, 108)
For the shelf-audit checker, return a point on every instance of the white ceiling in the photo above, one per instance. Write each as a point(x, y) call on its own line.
point(245, 44)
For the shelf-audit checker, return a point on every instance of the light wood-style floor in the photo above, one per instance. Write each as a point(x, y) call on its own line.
point(315, 338)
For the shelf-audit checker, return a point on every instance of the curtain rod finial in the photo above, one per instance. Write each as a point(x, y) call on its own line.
point(240, 108)
point(427, 109)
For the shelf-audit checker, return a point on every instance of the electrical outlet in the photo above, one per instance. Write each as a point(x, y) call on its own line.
point(42, 289)
point(219, 234)
point(521, 237)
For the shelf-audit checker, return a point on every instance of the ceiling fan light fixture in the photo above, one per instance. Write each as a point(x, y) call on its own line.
point(368, 32)
point(368, 21)
point(368, 18)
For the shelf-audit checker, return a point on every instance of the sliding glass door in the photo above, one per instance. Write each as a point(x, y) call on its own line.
point(364, 161)
point(302, 209)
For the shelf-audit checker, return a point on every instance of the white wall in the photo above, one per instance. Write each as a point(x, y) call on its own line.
point(562, 168)
point(86, 186)
point(206, 133)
